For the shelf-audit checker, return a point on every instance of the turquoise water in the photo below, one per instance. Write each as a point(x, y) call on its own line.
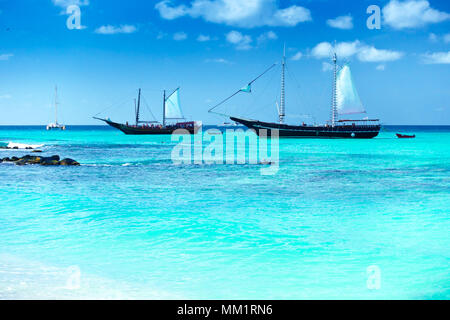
point(137, 226)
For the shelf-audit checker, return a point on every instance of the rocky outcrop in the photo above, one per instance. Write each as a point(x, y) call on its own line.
point(44, 161)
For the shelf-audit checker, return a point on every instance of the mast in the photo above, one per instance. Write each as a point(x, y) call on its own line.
point(138, 107)
point(56, 105)
point(282, 100)
point(334, 113)
point(164, 109)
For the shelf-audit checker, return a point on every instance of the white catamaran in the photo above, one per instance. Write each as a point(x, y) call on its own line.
point(56, 125)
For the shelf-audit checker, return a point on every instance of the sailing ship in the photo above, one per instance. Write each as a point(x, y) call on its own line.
point(345, 101)
point(171, 111)
point(405, 136)
point(56, 125)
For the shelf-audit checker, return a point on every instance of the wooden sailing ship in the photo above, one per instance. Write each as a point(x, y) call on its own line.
point(171, 112)
point(345, 100)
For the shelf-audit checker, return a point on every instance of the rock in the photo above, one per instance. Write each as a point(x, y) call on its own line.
point(49, 162)
point(31, 159)
point(21, 162)
point(36, 151)
point(68, 162)
point(45, 161)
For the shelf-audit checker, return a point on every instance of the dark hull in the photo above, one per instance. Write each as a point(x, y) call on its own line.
point(340, 131)
point(404, 136)
point(133, 130)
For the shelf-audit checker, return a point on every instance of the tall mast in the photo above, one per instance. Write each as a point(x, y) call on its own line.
point(164, 108)
point(138, 107)
point(56, 105)
point(282, 101)
point(334, 113)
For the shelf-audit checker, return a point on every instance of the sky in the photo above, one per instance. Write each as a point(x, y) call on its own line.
point(211, 48)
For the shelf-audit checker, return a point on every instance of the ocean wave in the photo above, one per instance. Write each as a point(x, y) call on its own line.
point(20, 146)
point(27, 279)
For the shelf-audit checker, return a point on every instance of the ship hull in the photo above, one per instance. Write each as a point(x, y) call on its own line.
point(138, 130)
point(314, 132)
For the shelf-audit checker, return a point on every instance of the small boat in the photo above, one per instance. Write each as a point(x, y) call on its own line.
point(345, 101)
point(171, 111)
point(405, 136)
point(56, 125)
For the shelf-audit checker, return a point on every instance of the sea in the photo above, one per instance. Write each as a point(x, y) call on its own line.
point(340, 219)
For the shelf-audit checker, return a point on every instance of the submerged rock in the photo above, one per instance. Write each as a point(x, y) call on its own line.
point(44, 161)
point(36, 151)
point(49, 162)
point(68, 162)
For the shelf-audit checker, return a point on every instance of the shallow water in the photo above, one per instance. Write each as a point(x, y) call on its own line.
point(138, 226)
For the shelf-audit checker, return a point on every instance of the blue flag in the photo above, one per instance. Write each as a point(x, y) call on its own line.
point(247, 88)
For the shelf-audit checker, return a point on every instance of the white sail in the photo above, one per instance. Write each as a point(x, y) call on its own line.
point(173, 110)
point(348, 101)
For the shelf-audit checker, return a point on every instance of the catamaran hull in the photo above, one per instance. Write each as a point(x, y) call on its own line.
point(325, 132)
point(130, 130)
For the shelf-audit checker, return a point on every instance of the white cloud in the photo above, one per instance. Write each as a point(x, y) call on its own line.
point(114, 30)
point(411, 14)
point(6, 56)
point(203, 38)
point(437, 38)
point(342, 22)
point(342, 49)
point(180, 36)
point(297, 56)
point(266, 36)
point(242, 42)
point(381, 67)
point(66, 3)
point(372, 54)
point(161, 35)
point(433, 37)
point(363, 52)
point(218, 60)
point(447, 38)
point(247, 14)
point(437, 58)
point(326, 66)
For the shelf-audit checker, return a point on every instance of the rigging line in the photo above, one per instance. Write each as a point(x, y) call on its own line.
point(167, 98)
point(250, 83)
point(114, 105)
point(268, 69)
point(253, 108)
point(148, 107)
point(297, 92)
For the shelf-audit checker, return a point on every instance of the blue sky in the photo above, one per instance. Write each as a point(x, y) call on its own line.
point(211, 48)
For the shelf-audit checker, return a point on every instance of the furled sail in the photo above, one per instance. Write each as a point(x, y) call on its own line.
point(173, 110)
point(348, 101)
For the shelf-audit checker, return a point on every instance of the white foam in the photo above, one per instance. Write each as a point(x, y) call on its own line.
point(25, 279)
point(13, 145)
